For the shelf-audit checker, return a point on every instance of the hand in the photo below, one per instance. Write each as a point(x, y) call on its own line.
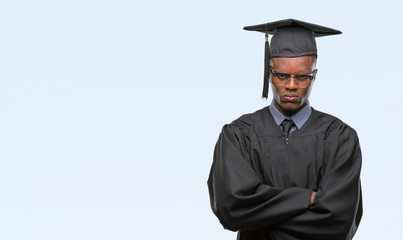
point(312, 198)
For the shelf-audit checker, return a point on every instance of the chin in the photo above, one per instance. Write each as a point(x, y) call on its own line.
point(291, 106)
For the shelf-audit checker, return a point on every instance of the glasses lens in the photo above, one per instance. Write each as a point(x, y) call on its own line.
point(302, 80)
point(283, 76)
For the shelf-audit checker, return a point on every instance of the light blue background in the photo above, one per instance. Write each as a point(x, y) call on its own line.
point(109, 110)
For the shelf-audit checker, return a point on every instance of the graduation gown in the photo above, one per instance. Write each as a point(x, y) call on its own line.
point(260, 184)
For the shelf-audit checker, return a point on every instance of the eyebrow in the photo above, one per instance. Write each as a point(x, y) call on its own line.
point(292, 74)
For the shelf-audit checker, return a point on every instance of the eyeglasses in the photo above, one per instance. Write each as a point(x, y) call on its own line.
point(300, 79)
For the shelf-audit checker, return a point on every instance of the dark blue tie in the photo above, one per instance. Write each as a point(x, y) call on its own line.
point(287, 125)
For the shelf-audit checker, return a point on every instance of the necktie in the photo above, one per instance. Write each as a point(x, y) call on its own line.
point(287, 125)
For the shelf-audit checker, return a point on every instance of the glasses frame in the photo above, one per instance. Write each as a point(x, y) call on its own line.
point(296, 77)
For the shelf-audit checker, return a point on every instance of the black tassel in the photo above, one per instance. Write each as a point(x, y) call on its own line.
point(266, 67)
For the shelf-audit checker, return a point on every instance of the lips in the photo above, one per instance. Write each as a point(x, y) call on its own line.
point(290, 98)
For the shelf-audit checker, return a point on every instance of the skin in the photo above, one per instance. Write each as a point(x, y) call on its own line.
point(312, 200)
point(289, 99)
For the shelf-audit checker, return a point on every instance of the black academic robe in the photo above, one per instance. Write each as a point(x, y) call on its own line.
point(260, 185)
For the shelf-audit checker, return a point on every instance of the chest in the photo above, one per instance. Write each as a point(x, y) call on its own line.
point(298, 163)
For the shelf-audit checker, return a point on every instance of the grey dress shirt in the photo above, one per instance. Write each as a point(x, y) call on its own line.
point(299, 118)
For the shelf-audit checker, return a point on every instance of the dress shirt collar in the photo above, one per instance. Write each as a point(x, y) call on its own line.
point(299, 118)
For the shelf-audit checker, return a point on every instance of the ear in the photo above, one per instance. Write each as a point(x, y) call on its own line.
point(314, 73)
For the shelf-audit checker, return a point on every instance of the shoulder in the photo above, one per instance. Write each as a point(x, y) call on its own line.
point(331, 125)
point(247, 123)
point(252, 119)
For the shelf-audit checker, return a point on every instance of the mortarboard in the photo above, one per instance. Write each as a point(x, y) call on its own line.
point(291, 38)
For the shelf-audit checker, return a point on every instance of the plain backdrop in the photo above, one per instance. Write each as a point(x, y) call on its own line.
point(110, 110)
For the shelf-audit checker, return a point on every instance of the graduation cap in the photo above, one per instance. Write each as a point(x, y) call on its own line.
point(291, 38)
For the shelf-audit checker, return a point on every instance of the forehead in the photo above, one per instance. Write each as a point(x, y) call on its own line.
point(293, 65)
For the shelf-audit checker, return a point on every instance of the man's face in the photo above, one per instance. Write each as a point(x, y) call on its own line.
point(290, 98)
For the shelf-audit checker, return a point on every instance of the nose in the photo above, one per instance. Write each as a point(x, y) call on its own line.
point(291, 85)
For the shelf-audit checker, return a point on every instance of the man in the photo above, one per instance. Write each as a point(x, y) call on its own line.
point(288, 171)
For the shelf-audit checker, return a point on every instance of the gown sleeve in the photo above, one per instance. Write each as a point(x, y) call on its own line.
point(237, 195)
point(337, 210)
